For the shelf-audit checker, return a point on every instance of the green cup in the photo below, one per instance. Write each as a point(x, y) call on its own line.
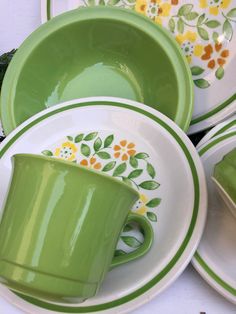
point(60, 228)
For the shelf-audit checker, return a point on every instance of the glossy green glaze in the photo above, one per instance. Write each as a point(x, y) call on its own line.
point(225, 174)
point(97, 51)
point(60, 228)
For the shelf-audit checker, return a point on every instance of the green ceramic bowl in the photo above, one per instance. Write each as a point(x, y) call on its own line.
point(97, 51)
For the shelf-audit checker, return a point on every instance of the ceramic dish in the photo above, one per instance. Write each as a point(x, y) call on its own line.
point(226, 126)
point(215, 259)
point(205, 31)
point(104, 51)
point(145, 149)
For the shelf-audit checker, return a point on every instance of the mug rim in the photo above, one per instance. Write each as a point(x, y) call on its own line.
point(84, 169)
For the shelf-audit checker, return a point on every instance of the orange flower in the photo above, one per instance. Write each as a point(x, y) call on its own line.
point(91, 163)
point(124, 150)
point(219, 58)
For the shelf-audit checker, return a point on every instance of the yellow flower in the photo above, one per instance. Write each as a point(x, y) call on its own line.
point(187, 43)
point(141, 205)
point(214, 6)
point(154, 9)
point(66, 151)
point(91, 163)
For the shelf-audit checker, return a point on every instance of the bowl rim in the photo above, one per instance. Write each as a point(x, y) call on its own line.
point(159, 34)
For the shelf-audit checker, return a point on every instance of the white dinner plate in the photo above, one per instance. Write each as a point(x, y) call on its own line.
point(145, 149)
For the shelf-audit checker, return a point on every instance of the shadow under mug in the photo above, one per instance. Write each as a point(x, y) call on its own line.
point(60, 227)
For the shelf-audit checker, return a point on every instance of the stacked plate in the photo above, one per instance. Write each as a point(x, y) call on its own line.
point(109, 89)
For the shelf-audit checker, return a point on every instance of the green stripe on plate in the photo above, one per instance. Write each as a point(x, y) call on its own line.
point(48, 9)
point(216, 141)
point(226, 127)
point(213, 275)
point(215, 110)
point(182, 247)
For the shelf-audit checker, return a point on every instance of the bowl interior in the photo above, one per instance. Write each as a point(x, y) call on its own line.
point(99, 57)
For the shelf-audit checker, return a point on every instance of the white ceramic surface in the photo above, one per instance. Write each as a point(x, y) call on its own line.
point(215, 258)
point(225, 126)
point(172, 156)
point(206, 32)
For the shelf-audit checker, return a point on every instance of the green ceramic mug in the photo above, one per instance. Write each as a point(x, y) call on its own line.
point(60, 228)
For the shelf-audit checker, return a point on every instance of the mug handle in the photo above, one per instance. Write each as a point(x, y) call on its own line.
point(146, 245)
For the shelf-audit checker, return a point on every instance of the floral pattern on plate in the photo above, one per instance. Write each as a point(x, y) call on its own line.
point(121, 159)
point(203, 30)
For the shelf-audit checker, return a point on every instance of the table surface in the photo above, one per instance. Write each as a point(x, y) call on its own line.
point(189, 294)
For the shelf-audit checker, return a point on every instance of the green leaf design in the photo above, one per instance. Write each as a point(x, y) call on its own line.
point(232, 13)
point(131, 241)
point(180, 26)
point(127, 181)
point(201, 19)
point(135, 173)
point(119, 252)
point(70, 138)
point(127, 228)
point(103, 155)
point(109, 166)
point(141, 156)
point(152, 216)
point(90, 136)
point(79, 138)
point(196, 70)
point(133, 162)
point(151, 171)
point(91, 2)
point(119, 169)
point(85, 150)
point(47, 153)
point(191, 16)
point(171, 25)
point(154, 202)
point(108, 141)
point(149, 185)
point(202, 33)
point(215, 37)
point(228, 30)
point(113, 2)
point(212, 23)
point(97, 144)
point(201, 83)
point(220, 73)
point(101, 2)
point(185, 9)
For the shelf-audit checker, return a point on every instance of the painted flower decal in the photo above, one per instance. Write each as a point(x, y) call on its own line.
point(66, 151)
point(124, 150)
point(141, 205)
point(214, 6)
point(187, 43)
point(91, 163)
point(123, 161)
point(215, 54)
point(154, 9)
